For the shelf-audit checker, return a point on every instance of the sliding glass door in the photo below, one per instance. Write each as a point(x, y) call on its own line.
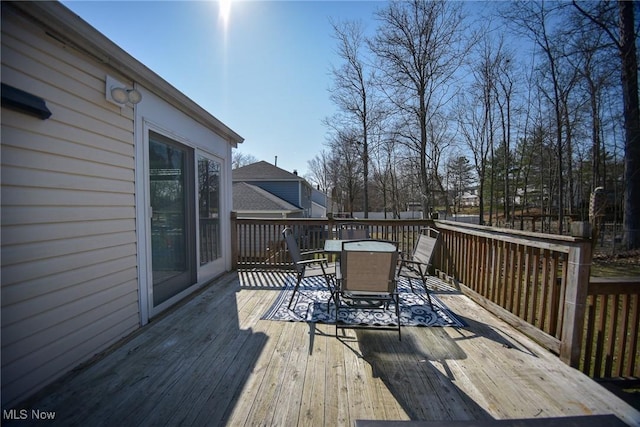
point(172, 197)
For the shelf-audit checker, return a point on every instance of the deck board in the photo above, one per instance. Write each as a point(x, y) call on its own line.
point(213, 361)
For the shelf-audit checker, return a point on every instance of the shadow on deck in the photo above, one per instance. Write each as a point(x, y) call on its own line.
point(213, 361)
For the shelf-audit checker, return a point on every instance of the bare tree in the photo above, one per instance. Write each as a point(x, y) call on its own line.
point(504, 92)
point(475, 117)
point(353, 93)
point(625, 42)
point(595, 71)
point(239, 159)
point(320, 174)
point(420, 45)
point(533, 19)
point(346, 169)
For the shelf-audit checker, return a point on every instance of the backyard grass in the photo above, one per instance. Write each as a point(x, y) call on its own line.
point(624, 264)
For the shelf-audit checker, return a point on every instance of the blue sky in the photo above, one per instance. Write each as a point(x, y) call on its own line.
point(265, 73)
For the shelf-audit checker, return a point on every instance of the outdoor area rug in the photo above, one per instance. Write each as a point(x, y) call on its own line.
point(312, 299)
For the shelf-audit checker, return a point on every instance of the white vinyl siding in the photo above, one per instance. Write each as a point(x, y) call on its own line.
point(69, 265)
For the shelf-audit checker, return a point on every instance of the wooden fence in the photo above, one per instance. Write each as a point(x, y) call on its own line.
point(612, 331)
point(529, 279)
point(257, 243)
point(537, 282)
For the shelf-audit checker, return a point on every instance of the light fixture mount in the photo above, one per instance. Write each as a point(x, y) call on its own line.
point(119, 94)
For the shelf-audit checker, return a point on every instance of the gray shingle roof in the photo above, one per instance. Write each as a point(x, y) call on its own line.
point(247, 197)
point(262, 170)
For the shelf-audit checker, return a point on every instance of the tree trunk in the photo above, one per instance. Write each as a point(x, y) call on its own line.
point(631, 221)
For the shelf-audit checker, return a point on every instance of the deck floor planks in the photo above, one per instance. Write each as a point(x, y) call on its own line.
point(269, 372)
point(124, 374)
point(491, 371)
point(192, 366)
point(385, 354)
point(206, 388)
point(438, 351)
point(214, 326)
point(337, 405)
point(215, 380)
point(247, 404)
point(506, 373)
point(312, 406)
point(499, 387)
point(289, 398)
point(357, 387)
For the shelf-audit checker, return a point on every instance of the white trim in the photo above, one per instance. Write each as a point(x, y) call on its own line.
point(210, 270)
point(204, 274)
point(142, 214)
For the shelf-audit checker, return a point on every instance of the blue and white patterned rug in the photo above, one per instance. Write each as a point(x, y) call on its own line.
point(312, 300)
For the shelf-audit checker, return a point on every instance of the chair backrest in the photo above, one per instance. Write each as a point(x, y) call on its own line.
point(353, 231)
point(292, 247)
point(368, 266)
point(425, 246)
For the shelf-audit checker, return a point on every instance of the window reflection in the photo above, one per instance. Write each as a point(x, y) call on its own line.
point(209, 209)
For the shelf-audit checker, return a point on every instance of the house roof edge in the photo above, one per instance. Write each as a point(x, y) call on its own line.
point(70, 29)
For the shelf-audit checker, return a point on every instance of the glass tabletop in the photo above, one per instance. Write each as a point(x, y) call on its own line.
point(335, 246)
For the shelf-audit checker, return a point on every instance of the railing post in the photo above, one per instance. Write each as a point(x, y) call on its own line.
point(234, 241)
point(330, 225)
point(579, 270)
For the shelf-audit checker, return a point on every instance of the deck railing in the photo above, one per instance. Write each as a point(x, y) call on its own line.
point(611, 346)
point(537, 282)
point(541, 284)
point(257, 243)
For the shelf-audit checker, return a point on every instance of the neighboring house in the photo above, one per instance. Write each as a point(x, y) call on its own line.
point(470, 198)
point(320, 204)
point(103, 166)
point(251, 200)
point(287, 186)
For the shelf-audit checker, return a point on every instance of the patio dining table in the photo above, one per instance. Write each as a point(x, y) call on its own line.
point(334, 246)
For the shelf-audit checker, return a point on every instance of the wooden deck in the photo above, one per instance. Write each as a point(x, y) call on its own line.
point(212, 361)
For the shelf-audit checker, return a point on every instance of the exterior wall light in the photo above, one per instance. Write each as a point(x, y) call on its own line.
point(118, 93)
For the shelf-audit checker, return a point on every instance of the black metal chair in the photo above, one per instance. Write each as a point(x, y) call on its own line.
point(353, 231)
point(308, 267)
point(417, 265)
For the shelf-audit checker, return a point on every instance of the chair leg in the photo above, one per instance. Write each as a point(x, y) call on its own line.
point(411, 284)
point(429, 298)
point(337, 301)
point(295, 289)
point(331, 292)
point(428, 292)
point(398, 316)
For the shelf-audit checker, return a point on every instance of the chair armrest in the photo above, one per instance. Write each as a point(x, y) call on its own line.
point(418, 266)
point(410, 261)
point(317, 251)
point(313, 261)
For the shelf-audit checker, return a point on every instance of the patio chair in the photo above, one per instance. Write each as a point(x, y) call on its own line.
point(353, 231)
point(366, 280)
point(307, 267)
point(418, 264)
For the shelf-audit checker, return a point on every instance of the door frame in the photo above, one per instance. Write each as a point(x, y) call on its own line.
point(189, 275)
point(205, 273)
